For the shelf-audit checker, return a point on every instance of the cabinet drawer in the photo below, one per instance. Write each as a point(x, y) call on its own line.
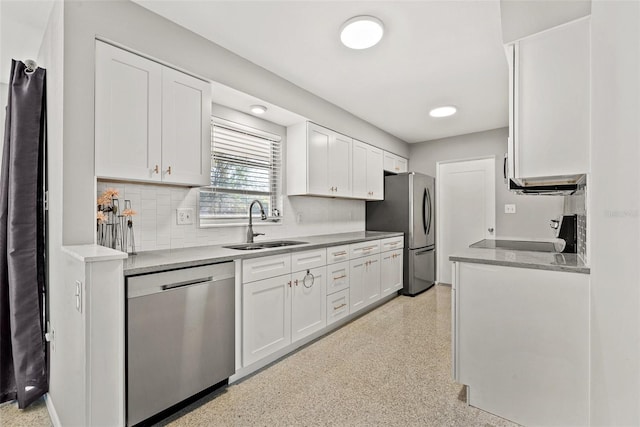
point(337, 306)
point(357, 250)
point(337, 254)
point(391, 243)
point(308, 259)
point(265, 267)
point(337, 277)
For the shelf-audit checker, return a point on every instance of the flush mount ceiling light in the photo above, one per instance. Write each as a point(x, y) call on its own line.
point(361, 32)
point(258, 109)
point(445, 111)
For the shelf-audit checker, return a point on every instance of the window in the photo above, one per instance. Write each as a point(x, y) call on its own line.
point(245, 165)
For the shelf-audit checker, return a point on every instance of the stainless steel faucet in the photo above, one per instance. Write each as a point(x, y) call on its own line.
point(250, 233)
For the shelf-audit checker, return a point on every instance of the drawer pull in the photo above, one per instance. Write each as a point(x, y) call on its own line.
point(339, 253)
point(368, 248)
point(339, 306)
point(340, 277)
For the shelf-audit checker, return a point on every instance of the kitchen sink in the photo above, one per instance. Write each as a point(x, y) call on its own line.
point(264, 245)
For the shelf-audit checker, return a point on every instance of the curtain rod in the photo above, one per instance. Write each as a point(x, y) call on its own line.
point(31, 66)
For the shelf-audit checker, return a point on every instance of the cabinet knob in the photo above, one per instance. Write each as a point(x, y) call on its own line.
point(490, 229)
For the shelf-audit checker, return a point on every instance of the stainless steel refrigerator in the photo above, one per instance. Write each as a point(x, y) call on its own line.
point(409, 206)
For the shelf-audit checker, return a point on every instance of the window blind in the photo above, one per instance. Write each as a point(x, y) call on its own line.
point(245, 165)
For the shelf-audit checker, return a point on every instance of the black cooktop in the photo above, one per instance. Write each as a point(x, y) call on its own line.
point(518, 245)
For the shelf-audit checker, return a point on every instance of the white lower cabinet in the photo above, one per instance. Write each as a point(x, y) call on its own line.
point(277, 311)
point(520, 342)
point(266, 317)
point(390, 272)
point(364, 281)
point(286, 298)
point(308, 302)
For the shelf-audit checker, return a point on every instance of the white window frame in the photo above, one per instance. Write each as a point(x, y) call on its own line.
point(277, 196)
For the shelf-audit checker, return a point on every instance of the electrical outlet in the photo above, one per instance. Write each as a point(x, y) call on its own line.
point(184, 216)
point(509, 209)
point(299, 218)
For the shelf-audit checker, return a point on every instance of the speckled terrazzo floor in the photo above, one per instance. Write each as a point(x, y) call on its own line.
point(390, 367)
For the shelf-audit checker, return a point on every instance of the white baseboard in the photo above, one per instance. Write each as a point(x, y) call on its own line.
point(55, 420)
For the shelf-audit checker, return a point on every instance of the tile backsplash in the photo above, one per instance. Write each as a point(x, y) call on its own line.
point(155, 225)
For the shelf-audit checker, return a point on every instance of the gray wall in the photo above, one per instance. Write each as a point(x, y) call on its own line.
point(531, 219)
point(131, 25)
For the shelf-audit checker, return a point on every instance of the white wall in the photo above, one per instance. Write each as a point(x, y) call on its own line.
point(614, 218)
point(139, 29)
point(61, 287)
point(533, 213)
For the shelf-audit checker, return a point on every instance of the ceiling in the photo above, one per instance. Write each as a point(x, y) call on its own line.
point(433, 53)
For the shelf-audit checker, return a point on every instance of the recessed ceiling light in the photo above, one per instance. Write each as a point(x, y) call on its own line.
point(361, 32)
point(445, 111)
point(258, 109)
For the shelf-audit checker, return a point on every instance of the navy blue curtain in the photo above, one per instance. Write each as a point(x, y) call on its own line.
point(23, 364)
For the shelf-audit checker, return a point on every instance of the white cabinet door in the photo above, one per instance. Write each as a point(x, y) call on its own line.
point(266, 317)
point(402, 164)
point(128, 115)
point(375, 174)
point(318, 140)
point(186, 129)
point(393, 163)
point(308, 302)
point(329, 162)
point(367, 170)
point(359, 170)
point(390, 272)
point(340, 165)
point(371, 287)
point(357, 269)
point(552, 102)
point(364, 281)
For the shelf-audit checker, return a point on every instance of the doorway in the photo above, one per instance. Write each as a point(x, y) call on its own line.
point(466, 204)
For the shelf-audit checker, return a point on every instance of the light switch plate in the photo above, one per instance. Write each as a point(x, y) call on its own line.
point(509, 209)
point(184, 216)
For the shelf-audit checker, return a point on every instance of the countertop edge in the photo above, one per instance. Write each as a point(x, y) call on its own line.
point(93, 253)
point(233, 255)
point(534, 266)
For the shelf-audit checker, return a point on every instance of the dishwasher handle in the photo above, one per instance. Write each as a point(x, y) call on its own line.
point(187, 283)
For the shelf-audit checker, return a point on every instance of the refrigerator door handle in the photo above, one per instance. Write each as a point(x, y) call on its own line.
point(424, 209)
point(429, 210)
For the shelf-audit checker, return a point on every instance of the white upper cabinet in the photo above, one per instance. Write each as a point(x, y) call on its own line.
point(186, 129)
point(128, 115)
point(318, 161)
point(550, 105)
point(367, 172)
point(394, 164)
point(152, 123)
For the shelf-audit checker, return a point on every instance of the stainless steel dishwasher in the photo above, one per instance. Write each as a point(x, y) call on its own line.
point(180, 336)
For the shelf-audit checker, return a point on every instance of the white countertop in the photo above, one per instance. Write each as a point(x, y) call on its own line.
point(523, 259)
